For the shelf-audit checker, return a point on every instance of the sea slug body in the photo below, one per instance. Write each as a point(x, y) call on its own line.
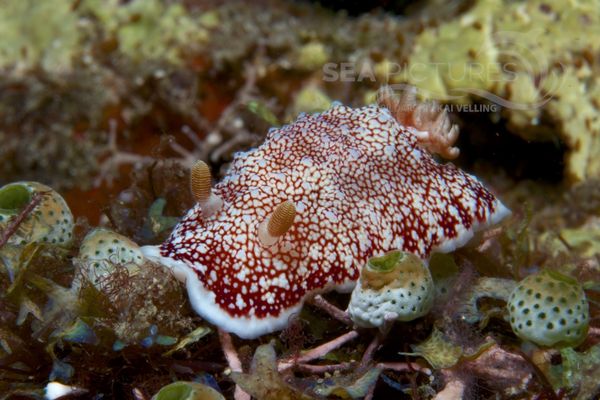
point(304, 211)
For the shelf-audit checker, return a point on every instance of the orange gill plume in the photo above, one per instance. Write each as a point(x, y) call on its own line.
point(277, 224)
point(433, 128)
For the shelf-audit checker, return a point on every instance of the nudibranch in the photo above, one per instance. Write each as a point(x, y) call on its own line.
point(303, 212)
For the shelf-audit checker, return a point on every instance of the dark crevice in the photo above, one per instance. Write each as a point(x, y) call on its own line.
point(484, 143)
point(398, 7)
point(358, 7)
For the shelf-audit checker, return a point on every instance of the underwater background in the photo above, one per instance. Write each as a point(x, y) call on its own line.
point(105, 105)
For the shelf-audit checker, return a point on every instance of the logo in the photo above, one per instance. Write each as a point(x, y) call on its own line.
point(488, 86)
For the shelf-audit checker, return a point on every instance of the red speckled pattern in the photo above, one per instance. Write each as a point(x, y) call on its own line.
point(361, 186)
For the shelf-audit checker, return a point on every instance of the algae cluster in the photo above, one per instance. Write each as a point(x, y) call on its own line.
point(537, 59)
point(75, 70)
